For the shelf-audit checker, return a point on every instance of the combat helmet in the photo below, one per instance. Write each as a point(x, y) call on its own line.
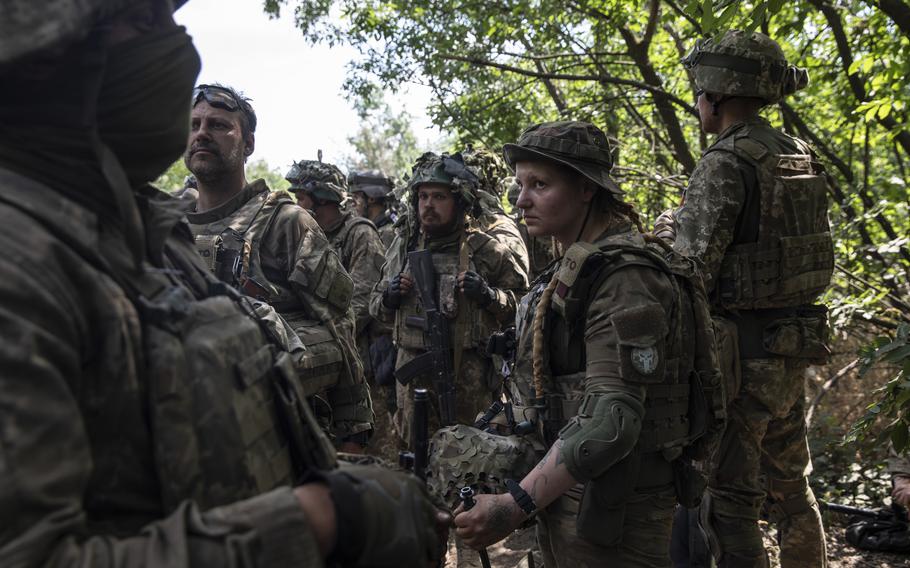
point(580, 146)
point(29, 27)
point(488, 167)
point(448, 170)
point(321, 180)
point(373, 183)
point(744, 64)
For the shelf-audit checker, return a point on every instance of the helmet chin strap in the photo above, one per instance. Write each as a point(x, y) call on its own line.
point(584, 223)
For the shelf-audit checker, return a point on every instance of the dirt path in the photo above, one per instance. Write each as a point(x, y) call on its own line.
point(512, 552)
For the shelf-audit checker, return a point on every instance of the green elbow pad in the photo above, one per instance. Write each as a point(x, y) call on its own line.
point(604, 432)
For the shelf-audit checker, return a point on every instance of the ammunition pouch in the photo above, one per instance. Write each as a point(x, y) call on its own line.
point(799, 333)
point(690, 482)
point(321, 363)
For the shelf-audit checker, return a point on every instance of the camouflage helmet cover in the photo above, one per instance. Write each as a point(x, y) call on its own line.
point(461, 455)
point(744, 64)
point(580, 146)
point(29, 27)
point(373, 183)
point(448, 170)
point(321, 180)
point(489, 168)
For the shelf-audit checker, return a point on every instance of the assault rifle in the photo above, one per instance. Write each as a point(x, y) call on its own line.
point(437, 362)
point(417, 458)
point(893, 513)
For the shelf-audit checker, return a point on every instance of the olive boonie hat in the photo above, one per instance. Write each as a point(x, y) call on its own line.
point(578, 145)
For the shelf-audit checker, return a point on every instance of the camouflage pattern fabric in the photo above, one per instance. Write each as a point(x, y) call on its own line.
point(643, 534)
point(122, 446)
point(362, 253)
point(764, 436)
point(764, 454)
point(461, 455)
point(494, 222)
point(293, 245)
point(325, 181)
point(477, 382)
point(747, 64)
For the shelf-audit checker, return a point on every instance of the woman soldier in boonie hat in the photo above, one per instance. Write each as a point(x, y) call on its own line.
point(594, 337)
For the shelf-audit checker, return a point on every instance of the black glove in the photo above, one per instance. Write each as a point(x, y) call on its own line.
point(391, 297)
point(476, 288)
point(385, 518)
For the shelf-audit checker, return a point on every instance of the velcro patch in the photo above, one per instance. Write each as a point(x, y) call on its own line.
point(640, 334)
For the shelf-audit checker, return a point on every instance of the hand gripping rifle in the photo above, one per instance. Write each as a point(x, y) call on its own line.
point(437, 363)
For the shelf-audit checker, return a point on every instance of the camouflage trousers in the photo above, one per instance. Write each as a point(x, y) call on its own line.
point(474, 392)
point(645, 534)
point(764, 461)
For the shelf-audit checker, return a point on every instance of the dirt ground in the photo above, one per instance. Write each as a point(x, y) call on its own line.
point(512, 553)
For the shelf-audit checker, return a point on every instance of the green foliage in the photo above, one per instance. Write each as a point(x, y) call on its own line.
point(893, 399)
point(173, 179)
point(385, 141)
point(497, 67)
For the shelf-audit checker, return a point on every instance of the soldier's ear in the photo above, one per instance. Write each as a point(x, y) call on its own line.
point(249, 144)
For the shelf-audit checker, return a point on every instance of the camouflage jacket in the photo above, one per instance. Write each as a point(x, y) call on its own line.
point(358, 244)
point(303, 274)
point(120, 446)
point(709, 219)
point(494, 222)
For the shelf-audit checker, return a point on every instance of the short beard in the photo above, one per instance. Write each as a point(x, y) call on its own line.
point(212, 173)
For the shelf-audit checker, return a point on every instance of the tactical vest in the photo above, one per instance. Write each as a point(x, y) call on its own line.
point(225, 414)
point(478, 323)
point(322, 362)
point(792, 261)
point(683, 403)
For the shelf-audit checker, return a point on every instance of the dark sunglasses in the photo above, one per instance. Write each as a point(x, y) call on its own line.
point(219, 97)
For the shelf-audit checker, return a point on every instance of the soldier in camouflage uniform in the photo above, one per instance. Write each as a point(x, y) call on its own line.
point(274, 250)
point(148, 420)
point(755, 214)
point(372, 192)
point(608, 339)
point(541, 250)
point(321, 188)
point(493, 220)
point(477, 280)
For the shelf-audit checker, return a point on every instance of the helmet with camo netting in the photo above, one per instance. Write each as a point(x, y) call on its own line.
point(321, 180)
point(489, 168)
point(28, 27)
point(461, 455)
point(744, 64)
point(448, 170)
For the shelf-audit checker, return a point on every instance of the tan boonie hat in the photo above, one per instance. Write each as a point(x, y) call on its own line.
point(578, 145)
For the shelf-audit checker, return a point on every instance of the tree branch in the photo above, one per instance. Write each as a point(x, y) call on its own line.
point(574, 77)
point(899, 12)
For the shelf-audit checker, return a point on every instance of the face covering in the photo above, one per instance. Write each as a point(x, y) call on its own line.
point(143, 105)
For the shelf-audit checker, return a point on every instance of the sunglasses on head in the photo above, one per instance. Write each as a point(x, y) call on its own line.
point(222, 98)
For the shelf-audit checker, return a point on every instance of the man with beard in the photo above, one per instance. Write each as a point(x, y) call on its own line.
point(273, 250)
point(371, 191)
point(148, 420)
point(320, 189)
point(476, 279)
